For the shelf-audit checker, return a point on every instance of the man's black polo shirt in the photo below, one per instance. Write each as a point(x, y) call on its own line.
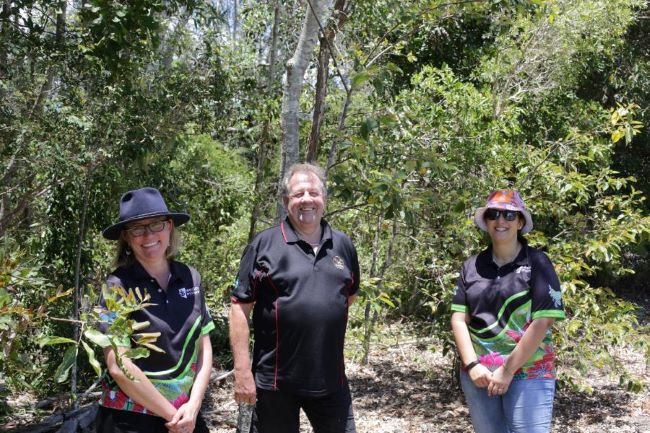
point(501, 303)
point(181, 316)
point(301, 308)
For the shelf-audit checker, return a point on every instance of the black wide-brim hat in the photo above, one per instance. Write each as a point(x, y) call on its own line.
point(141, 204)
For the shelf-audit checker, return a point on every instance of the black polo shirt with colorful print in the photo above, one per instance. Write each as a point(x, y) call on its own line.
point(301, 308)
point(503, 301)
point(181, 316)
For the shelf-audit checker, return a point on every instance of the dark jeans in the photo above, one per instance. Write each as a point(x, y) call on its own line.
point(123, 421)
point(279, 412)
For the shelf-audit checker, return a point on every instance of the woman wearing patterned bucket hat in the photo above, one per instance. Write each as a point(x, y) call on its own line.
point(506, 300)
point(170, 385)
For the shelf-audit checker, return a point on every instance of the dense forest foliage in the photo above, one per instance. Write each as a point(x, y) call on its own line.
point(418, 108)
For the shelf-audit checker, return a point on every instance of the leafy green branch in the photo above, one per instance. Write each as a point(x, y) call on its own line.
point(120, 303)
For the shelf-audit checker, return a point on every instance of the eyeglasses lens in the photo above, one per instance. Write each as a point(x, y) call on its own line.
point(154, 227)
point(494, 214)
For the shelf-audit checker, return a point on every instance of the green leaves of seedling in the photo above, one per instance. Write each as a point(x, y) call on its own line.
point(120, 303)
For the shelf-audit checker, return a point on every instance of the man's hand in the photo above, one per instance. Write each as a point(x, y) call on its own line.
point(245, 391)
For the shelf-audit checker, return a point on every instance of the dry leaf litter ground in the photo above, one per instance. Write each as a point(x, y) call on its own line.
point(408, 388)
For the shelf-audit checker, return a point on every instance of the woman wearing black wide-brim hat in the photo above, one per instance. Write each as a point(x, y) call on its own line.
point(170, 385)
point(506, 301)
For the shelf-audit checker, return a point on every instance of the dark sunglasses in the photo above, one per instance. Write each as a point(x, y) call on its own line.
point(494, 214)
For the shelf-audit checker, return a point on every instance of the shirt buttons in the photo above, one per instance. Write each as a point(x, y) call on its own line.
point(159, 290)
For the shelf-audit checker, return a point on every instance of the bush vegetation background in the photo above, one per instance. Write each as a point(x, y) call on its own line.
point(425, 108)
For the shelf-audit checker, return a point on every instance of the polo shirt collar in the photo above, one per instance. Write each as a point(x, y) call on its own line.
point(290, 236)
point(520, 260)
point(139, 273)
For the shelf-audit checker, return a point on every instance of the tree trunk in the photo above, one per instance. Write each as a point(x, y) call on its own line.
point(265, 139)
point(373, 270)
point(315, 14)
point(319, 103)
point(77, 278)
point(388, 260)
point(331, 158)
point(235, 21)
point(326, 41)
point(5, 37)
point(274, 44)
point(46, 88)
point(167, 46)
point(259, 179)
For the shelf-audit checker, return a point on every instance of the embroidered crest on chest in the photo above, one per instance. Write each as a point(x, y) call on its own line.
point(523, 269)
point(338, 262)
point(189, 292)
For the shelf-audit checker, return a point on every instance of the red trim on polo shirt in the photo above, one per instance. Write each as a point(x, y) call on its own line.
point(277, 332)
point(284, 234)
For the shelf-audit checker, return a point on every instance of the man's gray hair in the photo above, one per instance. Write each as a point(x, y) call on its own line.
point(303, 168)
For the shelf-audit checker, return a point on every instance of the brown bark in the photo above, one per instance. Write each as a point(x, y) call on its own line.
point(319, 103)
point(326, 41)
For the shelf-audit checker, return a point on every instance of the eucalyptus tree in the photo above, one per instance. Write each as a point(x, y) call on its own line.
point(316, 13)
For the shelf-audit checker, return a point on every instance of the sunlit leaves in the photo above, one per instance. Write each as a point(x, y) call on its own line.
point(624, 124)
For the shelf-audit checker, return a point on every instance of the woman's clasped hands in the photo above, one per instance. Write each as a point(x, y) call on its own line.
point(496, 382)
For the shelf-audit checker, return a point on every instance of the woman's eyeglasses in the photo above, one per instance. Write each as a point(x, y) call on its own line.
point(154, 227)
point(494, 214)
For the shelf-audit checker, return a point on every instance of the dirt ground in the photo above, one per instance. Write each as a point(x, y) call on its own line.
point(408, 388)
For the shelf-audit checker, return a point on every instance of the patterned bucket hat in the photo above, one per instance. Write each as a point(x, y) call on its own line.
point(507, 199)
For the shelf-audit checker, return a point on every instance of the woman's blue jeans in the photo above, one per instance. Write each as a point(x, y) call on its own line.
point(527, 407)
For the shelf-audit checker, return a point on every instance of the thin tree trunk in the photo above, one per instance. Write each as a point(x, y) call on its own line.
point(315, 14)
point(265, 139)
point(388, 260)
point(77, 279)
point(331, 158)
point(5, 37)
point(274, 44)
point(319, 103)
point(235, 21)
point(368, 308)
point(259, 179)
point(46, 88)
point(166, 47)
point(326, 41)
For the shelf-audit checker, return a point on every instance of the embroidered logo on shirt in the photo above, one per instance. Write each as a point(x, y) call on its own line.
point(556, 296)
point(184, 293)
point(521, 269)
point(338, 262)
